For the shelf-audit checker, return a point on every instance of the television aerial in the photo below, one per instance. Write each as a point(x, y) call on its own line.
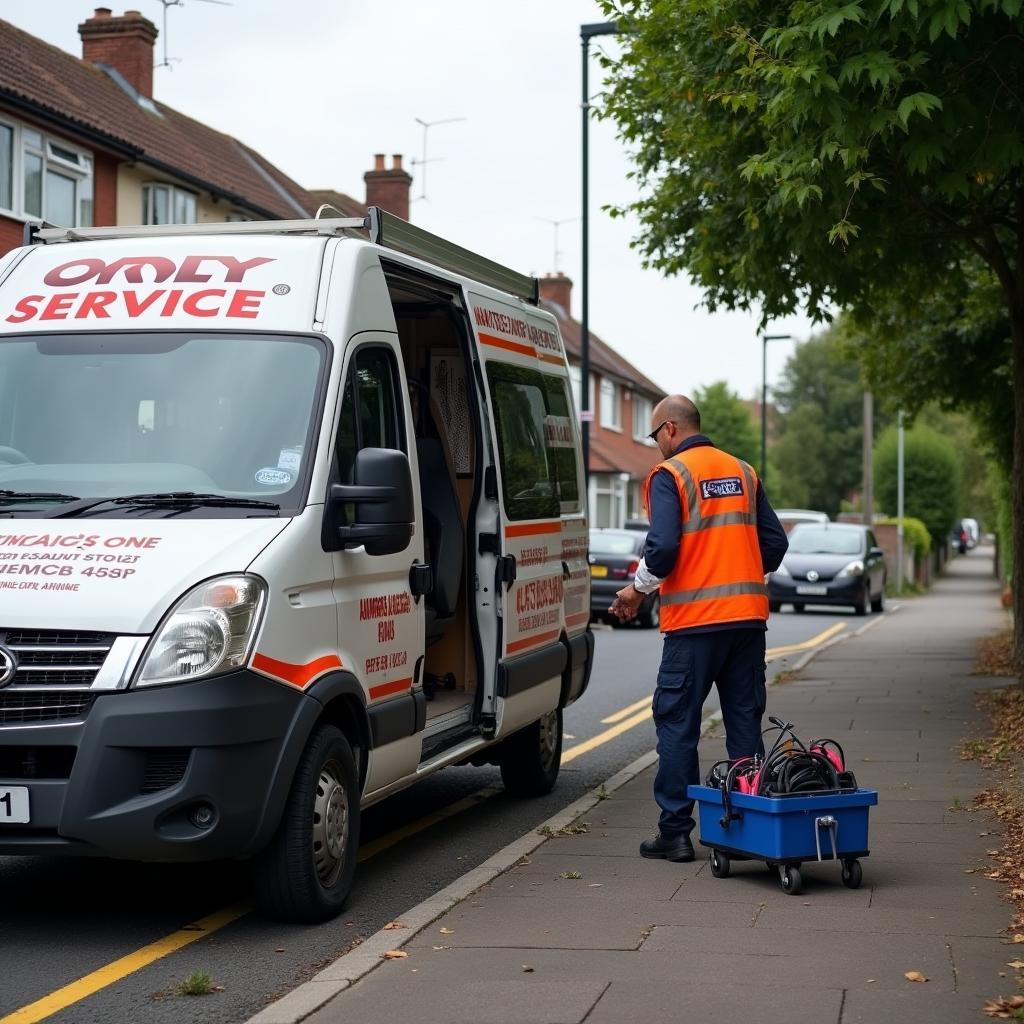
point(169, 62)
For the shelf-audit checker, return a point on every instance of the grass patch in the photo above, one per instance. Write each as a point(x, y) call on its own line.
point(198, 983)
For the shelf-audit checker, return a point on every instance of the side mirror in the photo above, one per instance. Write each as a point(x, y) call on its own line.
point(376, 510)
point(876, 553)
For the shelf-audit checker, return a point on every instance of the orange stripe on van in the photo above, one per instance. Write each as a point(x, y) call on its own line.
point(508, 346)
point(389, 689)
point(549, 357)
point(531, 641)
point(532, 529)
point(297, 675)
point(575, 620)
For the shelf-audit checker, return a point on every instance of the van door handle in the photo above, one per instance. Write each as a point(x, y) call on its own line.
point(565, 571)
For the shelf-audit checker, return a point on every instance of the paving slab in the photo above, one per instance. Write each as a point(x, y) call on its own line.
point(645, 941)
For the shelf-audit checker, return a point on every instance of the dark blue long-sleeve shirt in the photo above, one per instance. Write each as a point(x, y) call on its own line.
point(662, 548)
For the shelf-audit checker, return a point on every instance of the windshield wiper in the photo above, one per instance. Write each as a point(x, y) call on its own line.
point(10, 497)
point(168, 499)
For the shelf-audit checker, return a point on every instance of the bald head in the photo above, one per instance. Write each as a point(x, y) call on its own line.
point(681, 411)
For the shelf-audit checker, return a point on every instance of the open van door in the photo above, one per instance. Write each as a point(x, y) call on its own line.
point(542, 586)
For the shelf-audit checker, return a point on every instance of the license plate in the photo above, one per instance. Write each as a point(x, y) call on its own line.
point(812, 591)
point(599, 570)
point(14, 805)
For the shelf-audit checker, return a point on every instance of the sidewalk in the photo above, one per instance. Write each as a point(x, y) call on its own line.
point(648, 941)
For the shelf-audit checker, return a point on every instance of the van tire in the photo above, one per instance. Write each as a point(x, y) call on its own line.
point(306, 872)
point(530, 758)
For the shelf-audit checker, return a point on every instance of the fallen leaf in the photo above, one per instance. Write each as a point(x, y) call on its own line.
point(395, 954)
point(216, 988)
point(527, 969)
point(1004, 1007)
point(870, 981)
point(280, 949)
point(1018, 938)
point(595, 885)
point(442, 947)
point(392, 926)
point(447, 931)
point(1016, 964)
point(914, 976)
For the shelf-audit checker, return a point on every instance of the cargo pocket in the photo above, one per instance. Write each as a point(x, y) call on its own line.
point(675, 679)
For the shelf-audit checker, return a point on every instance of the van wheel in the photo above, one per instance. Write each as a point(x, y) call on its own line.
point(306, 872)
point(530, 758)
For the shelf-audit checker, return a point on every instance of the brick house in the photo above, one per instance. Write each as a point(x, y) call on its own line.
point(83, 142)
point(622, 400)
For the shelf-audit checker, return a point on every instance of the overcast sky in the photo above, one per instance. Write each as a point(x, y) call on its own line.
point(319, 86)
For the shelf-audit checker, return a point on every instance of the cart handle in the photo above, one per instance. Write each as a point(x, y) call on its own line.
point(832, 824)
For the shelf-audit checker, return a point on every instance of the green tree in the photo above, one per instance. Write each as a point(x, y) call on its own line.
point(830, 154)
point(725, 418)
point(820, 400)
point(931, 489)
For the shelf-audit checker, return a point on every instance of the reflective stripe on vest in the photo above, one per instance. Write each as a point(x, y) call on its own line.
point(710, 593)
point(694, 521)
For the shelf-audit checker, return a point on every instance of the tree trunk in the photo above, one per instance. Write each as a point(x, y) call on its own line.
point(1017, 483)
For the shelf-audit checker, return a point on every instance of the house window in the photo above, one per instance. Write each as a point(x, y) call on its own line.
point(608, 504)
point(642, 411)
point(611, 405)
point(44, 177)
point(167, 204)
point(575, 376)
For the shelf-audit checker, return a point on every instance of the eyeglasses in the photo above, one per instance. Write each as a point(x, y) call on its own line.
point(653, 435)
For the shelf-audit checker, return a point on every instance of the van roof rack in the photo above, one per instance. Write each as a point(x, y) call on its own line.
point(385, 229)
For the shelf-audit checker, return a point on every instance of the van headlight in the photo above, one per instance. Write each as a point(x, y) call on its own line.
point(855, 568)
point(209, 631)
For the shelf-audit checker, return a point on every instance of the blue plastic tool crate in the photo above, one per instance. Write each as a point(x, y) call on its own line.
point(785, 831)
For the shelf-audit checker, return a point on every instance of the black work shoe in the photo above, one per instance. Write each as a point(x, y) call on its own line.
point(675, 848)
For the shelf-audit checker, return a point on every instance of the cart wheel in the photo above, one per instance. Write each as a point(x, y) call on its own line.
point(720, 865)
point(789, 876)
point(852, 874)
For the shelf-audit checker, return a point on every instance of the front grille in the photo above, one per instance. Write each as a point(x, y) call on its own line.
point(21, 708)
point(51, 657)
point(165, 767)
point(36, 762)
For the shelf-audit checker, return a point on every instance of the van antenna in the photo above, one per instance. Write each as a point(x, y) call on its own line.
point(423, 161)
point(169, 62)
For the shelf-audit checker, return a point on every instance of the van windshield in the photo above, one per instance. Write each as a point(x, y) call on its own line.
point(95, 416)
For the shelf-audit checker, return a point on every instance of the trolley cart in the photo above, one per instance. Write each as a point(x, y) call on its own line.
point(785, 831)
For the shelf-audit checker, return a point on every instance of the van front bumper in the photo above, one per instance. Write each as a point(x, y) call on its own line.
point(185, 772)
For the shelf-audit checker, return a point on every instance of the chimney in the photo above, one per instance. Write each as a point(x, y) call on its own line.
point(556, 288)
point(388, 189)
point(124, 44)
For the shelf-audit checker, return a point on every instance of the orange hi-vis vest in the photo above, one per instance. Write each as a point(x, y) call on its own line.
point(718, 575)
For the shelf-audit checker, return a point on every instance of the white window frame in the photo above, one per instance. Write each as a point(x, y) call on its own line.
point(151, 189)
point(575, 376)
point(56, 156)
point(643, 409)
point(615, 486)
point(611, 410)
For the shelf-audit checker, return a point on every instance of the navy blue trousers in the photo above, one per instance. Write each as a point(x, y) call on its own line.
point(733, 659)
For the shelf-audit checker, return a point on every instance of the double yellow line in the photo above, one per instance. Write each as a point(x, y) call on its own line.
point(620, 722)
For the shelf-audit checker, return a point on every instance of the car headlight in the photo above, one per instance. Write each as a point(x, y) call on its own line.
point(781, 571)
point(209, 631)
point(855, 568)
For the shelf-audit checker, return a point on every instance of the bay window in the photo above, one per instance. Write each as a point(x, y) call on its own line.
point(44, 177)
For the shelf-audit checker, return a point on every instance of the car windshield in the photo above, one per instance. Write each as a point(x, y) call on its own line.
point(818, 540)
point(615, 543)
point(93, 415)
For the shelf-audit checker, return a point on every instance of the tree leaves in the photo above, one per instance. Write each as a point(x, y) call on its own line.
point(922, 103)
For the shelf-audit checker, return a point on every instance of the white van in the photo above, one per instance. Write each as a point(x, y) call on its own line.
point(289, 519)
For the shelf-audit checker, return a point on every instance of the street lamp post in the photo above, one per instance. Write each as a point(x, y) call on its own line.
point(587, 32)
point(765, 338)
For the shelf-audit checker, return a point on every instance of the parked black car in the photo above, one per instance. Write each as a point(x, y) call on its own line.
point(830, 563)
point(614, 557)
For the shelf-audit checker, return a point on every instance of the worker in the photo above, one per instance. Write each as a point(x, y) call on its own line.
point(713, 537)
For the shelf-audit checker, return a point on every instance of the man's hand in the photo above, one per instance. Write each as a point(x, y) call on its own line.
point(626, 604)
